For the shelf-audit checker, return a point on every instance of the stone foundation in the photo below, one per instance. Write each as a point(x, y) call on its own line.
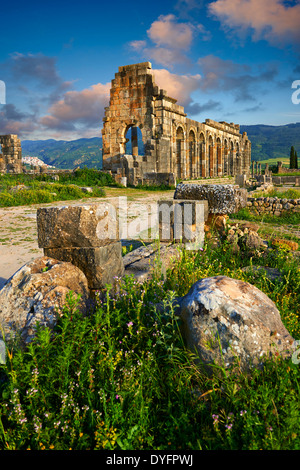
point(272, 205)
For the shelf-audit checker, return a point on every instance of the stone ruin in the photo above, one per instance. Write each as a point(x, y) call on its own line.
point(11, 156)
point(175, 147)
point(225, 321)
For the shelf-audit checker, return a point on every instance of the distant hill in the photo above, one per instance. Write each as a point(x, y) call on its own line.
point(66, 154)
point(273, 142)
point(268, 143)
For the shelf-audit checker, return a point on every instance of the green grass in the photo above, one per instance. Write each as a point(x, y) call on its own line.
point(288, 218)
point(122, 378)
point(41, 188)
point(288, 194)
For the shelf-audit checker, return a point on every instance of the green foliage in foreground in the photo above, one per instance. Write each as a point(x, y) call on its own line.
point(39, 189)
point(121, 378)
point(287, 194)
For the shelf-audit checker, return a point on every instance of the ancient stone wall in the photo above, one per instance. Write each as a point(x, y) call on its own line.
point(282, 169)
point(11, 156)
point(173, 143)
point(273, 205)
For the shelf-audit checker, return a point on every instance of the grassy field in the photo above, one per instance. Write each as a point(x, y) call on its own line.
point(122, 378)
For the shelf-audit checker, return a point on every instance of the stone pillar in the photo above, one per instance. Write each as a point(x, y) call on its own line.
point(211, 160)
point(219, 160)
point(86, 236)
point(134, 141)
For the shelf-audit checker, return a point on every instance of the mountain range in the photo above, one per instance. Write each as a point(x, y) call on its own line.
point(268, 143)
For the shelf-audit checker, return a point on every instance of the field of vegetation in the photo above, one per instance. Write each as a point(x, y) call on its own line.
point(121, 378)
point(24, 189)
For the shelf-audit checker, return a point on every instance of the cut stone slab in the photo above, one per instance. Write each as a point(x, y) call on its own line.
point(182, 220)
point(91, 225)
point(99, 264)
point(221, 198)
point(144, 261)
point(227, 320)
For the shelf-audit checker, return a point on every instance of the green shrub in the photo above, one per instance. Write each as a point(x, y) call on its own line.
point(122, 378)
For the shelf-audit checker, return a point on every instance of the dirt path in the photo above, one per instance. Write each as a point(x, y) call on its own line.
point(18, 230)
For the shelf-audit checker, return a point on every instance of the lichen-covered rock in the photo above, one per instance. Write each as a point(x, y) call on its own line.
point(36, 294)
point(227, 320)
point(99, 264)
point(222, 198)
point(89, 225)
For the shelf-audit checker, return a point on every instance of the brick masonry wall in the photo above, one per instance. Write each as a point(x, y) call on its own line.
point(272, 205)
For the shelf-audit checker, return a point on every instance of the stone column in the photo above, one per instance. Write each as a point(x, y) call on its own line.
point(219, 160)
point(134, 141)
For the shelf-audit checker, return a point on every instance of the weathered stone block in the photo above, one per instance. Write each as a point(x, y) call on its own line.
point(77, 226)
point(99, 264)
point(182, 220)
point(222, 199)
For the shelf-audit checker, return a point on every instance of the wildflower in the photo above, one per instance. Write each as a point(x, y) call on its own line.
point(129, 324)
point(243, 412)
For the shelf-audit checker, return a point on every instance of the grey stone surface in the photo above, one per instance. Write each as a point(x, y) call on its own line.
point(227, 320)
point(222, 199)
point(99, 264)
point(88, 225)
point(37, 293)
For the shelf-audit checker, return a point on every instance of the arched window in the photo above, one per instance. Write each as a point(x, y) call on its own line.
point(210, 166)
point(179, 145)
point(134, 141)
point(191, 169)
point(202, 169)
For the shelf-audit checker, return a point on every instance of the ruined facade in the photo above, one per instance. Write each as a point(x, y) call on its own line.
point(11, 156)
point(173, 143)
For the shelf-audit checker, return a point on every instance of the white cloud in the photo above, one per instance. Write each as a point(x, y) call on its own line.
point(269, 19)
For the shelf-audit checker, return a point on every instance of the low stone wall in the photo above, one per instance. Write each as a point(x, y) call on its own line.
point(286, 180)
point(272, 205)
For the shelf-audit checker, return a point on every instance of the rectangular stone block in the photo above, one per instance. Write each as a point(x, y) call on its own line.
point(100, 264)
point(221, 198)
point(182, 220)
point(91, 225)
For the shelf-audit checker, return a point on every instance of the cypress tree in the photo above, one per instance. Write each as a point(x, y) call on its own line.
point(296, 160)
point(292, 158)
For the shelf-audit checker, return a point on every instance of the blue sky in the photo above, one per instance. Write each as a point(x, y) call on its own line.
point(228, 60)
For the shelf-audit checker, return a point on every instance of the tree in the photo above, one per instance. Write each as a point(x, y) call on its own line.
point(296, 160)
point(292, 158)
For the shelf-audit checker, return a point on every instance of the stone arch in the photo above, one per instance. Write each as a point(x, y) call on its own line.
point(180, 138)
point(218, 159)
point(225, 157)
point(210, 156)
point(202, 165)
point(191, 168)
point(133, 140)
point(231, 156)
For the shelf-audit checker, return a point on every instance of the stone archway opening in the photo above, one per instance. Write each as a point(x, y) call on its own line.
point(192, 155)
point(210, 165)
point(134, 144)
point(179, 151)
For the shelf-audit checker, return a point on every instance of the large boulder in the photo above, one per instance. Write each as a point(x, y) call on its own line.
point(36, 294)
point(222, 198)
point(227, 320)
